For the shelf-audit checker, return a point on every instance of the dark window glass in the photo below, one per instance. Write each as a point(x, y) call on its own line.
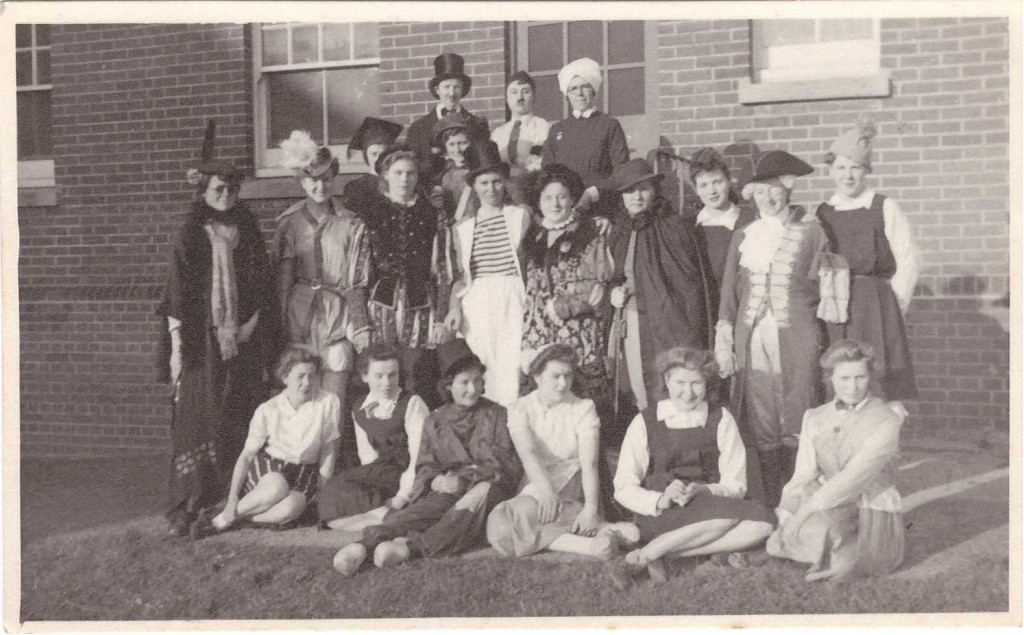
point(275, 47)
point(22, 35)
point(626, 92)
point(545, 47)
point(549, 100)
point(625, 42)
point(585, 40)
point(23, 68)
point(352, 95)
point(42, 35)
point(296, 103)
point(34, 125)
point(43, 66)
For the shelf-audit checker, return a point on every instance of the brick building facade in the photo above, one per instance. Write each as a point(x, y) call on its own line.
point(129, 103)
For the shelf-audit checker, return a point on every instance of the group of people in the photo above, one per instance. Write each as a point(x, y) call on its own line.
point(552, 356)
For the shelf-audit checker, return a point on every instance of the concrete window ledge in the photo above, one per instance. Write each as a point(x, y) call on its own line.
point(817, 89)
point(37, 197)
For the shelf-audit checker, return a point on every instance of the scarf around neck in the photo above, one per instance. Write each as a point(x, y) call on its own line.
point(223, 287)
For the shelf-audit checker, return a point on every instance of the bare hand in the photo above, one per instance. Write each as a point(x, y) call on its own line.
point(396, 503)
point(586, 523)
point(588, 198)
point(603, 225)
point(547, 506)
point(453, 321)
point(726, 363)
point(445, 484)
point(436, 196)
point(619, 297)
point(690, 492)
point(675, 492)
point(361, 341)
point(175, 365)
point(246, 330)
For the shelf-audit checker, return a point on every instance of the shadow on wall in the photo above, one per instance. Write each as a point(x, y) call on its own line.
point(677, 187)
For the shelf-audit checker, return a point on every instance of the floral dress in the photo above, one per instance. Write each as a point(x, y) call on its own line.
point(561, 279)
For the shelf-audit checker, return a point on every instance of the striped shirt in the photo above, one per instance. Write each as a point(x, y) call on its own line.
point(492, 251)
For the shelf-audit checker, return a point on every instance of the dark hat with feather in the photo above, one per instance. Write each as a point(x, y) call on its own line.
point(305, 156)
point(209, 165)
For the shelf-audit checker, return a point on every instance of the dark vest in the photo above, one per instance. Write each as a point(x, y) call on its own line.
point(387, 436)
point(688, 454)
point(859, 236)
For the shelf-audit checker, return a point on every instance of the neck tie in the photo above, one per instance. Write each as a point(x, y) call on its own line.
point(513, 141)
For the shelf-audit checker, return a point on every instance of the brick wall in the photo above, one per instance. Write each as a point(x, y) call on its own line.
point(942, 152)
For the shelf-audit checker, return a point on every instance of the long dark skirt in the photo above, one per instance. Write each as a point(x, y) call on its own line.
point(703, 506)
point(359, 490)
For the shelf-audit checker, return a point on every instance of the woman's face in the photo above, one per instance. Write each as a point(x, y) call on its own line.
point(373, 152)
point(401, 179)
point(219, 194)
point(638, 198)
point(467, 387)
point(850, 380)
point(580, 94)
point(686, 387)
point(554, 382)
point(713, 190)
point(318, 188)
point(556, 203)
point(449, 92)
point(300, 382)
point(381, 377)
point(850, 177)
point(772, 199)
point(519, 97)
point(455, 147)
point(490, 187)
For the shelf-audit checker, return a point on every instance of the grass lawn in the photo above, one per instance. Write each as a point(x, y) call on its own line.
point(102, 556)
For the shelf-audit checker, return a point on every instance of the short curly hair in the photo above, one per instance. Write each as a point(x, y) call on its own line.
point(846, 351)
point(702, 362)
point(391, 158)
point(559, 352)
point(293, 357)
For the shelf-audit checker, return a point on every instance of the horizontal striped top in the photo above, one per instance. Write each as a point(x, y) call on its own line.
point(492, 250)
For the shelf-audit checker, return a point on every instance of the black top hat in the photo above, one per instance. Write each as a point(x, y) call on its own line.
point(556, 172)
point(374, 130)
point(775, 163)
point(455, 356)
point(630, 173)
point(483, 156)
point(521, 77)
point(209, 166)
point(449, 66)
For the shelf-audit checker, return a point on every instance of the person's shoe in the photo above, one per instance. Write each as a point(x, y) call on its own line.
point(349, 558)
point(628, 533)
point(391, 553)
point(178, 524)
point(606, 545)
point(202, 526)
point(621, 573)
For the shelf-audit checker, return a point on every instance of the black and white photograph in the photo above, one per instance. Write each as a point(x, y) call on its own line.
point(645, 314)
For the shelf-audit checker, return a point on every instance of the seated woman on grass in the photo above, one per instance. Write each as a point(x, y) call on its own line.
point(840, 512)
point(682, 471)
point(292, 437)
point(556, 436)
point(466, 465)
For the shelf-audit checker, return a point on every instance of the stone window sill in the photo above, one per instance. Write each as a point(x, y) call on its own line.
point(815, 90)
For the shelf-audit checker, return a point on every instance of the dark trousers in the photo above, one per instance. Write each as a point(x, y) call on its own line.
point(358, 490)
point(432, 524)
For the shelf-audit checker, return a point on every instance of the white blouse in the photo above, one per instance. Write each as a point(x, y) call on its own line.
point(710, 217)
point(556, 433)
point(635, 457)
point(415, 414)
point(295, 435)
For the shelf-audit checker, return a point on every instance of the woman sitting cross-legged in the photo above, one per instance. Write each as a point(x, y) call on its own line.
point(556, 436)
point(466, 465)
point(682, 471)
point(841, 512)
point(291, 438)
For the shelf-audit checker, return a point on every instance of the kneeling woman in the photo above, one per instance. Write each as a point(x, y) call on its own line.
point(466, 465)
point(682, 471)
point(841, 512)
point(291, 438)
point(556, 436)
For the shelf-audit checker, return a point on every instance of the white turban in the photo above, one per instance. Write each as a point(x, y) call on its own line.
point(584, 67)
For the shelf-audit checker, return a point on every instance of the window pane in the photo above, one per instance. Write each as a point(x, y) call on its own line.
point(549, 100)
point(625, 42)
point(585, 40)
point(367, 36)
point(776, 32)
point(22, 35)
point(305, 47)
point(837, 30)
point(42, 35)
point(337, 42)
point(23, 68)
point(352, 95)
point(545, 43)
point(296, 103)
point(275, 47)
point(626, 92)
point(34, 132)
point(43, 66)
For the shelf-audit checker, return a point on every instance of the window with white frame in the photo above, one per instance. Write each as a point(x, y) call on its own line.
point(795, 59)
point(35, 126)
point(321, 78)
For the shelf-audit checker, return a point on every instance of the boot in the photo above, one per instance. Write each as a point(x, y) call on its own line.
point(771, 461)
point(788, 463)
point(337, 382)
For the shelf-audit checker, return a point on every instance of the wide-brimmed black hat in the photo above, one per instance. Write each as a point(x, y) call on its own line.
point(483, 156)
point(776, 163)
point(455, 356)
point(209, 165)
point(449, 66)
point(630, 173)
point(374, 131)
point(537, 181)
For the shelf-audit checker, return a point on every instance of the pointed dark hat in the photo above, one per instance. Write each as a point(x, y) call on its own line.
point(775, 163)
point(455, 356)
point(209, 165)
point(449, 66)
point(630, 173)
point(374, 131)
point(483, 156)
point(537, 181)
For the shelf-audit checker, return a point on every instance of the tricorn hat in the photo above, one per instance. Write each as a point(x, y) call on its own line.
point(374, 131)
point(209, 165)
point(455, 356)
point(776, 164)
point(449, 66)
point(554, 173)
point(483, 156)
point(630, 173)
point(305, 156)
